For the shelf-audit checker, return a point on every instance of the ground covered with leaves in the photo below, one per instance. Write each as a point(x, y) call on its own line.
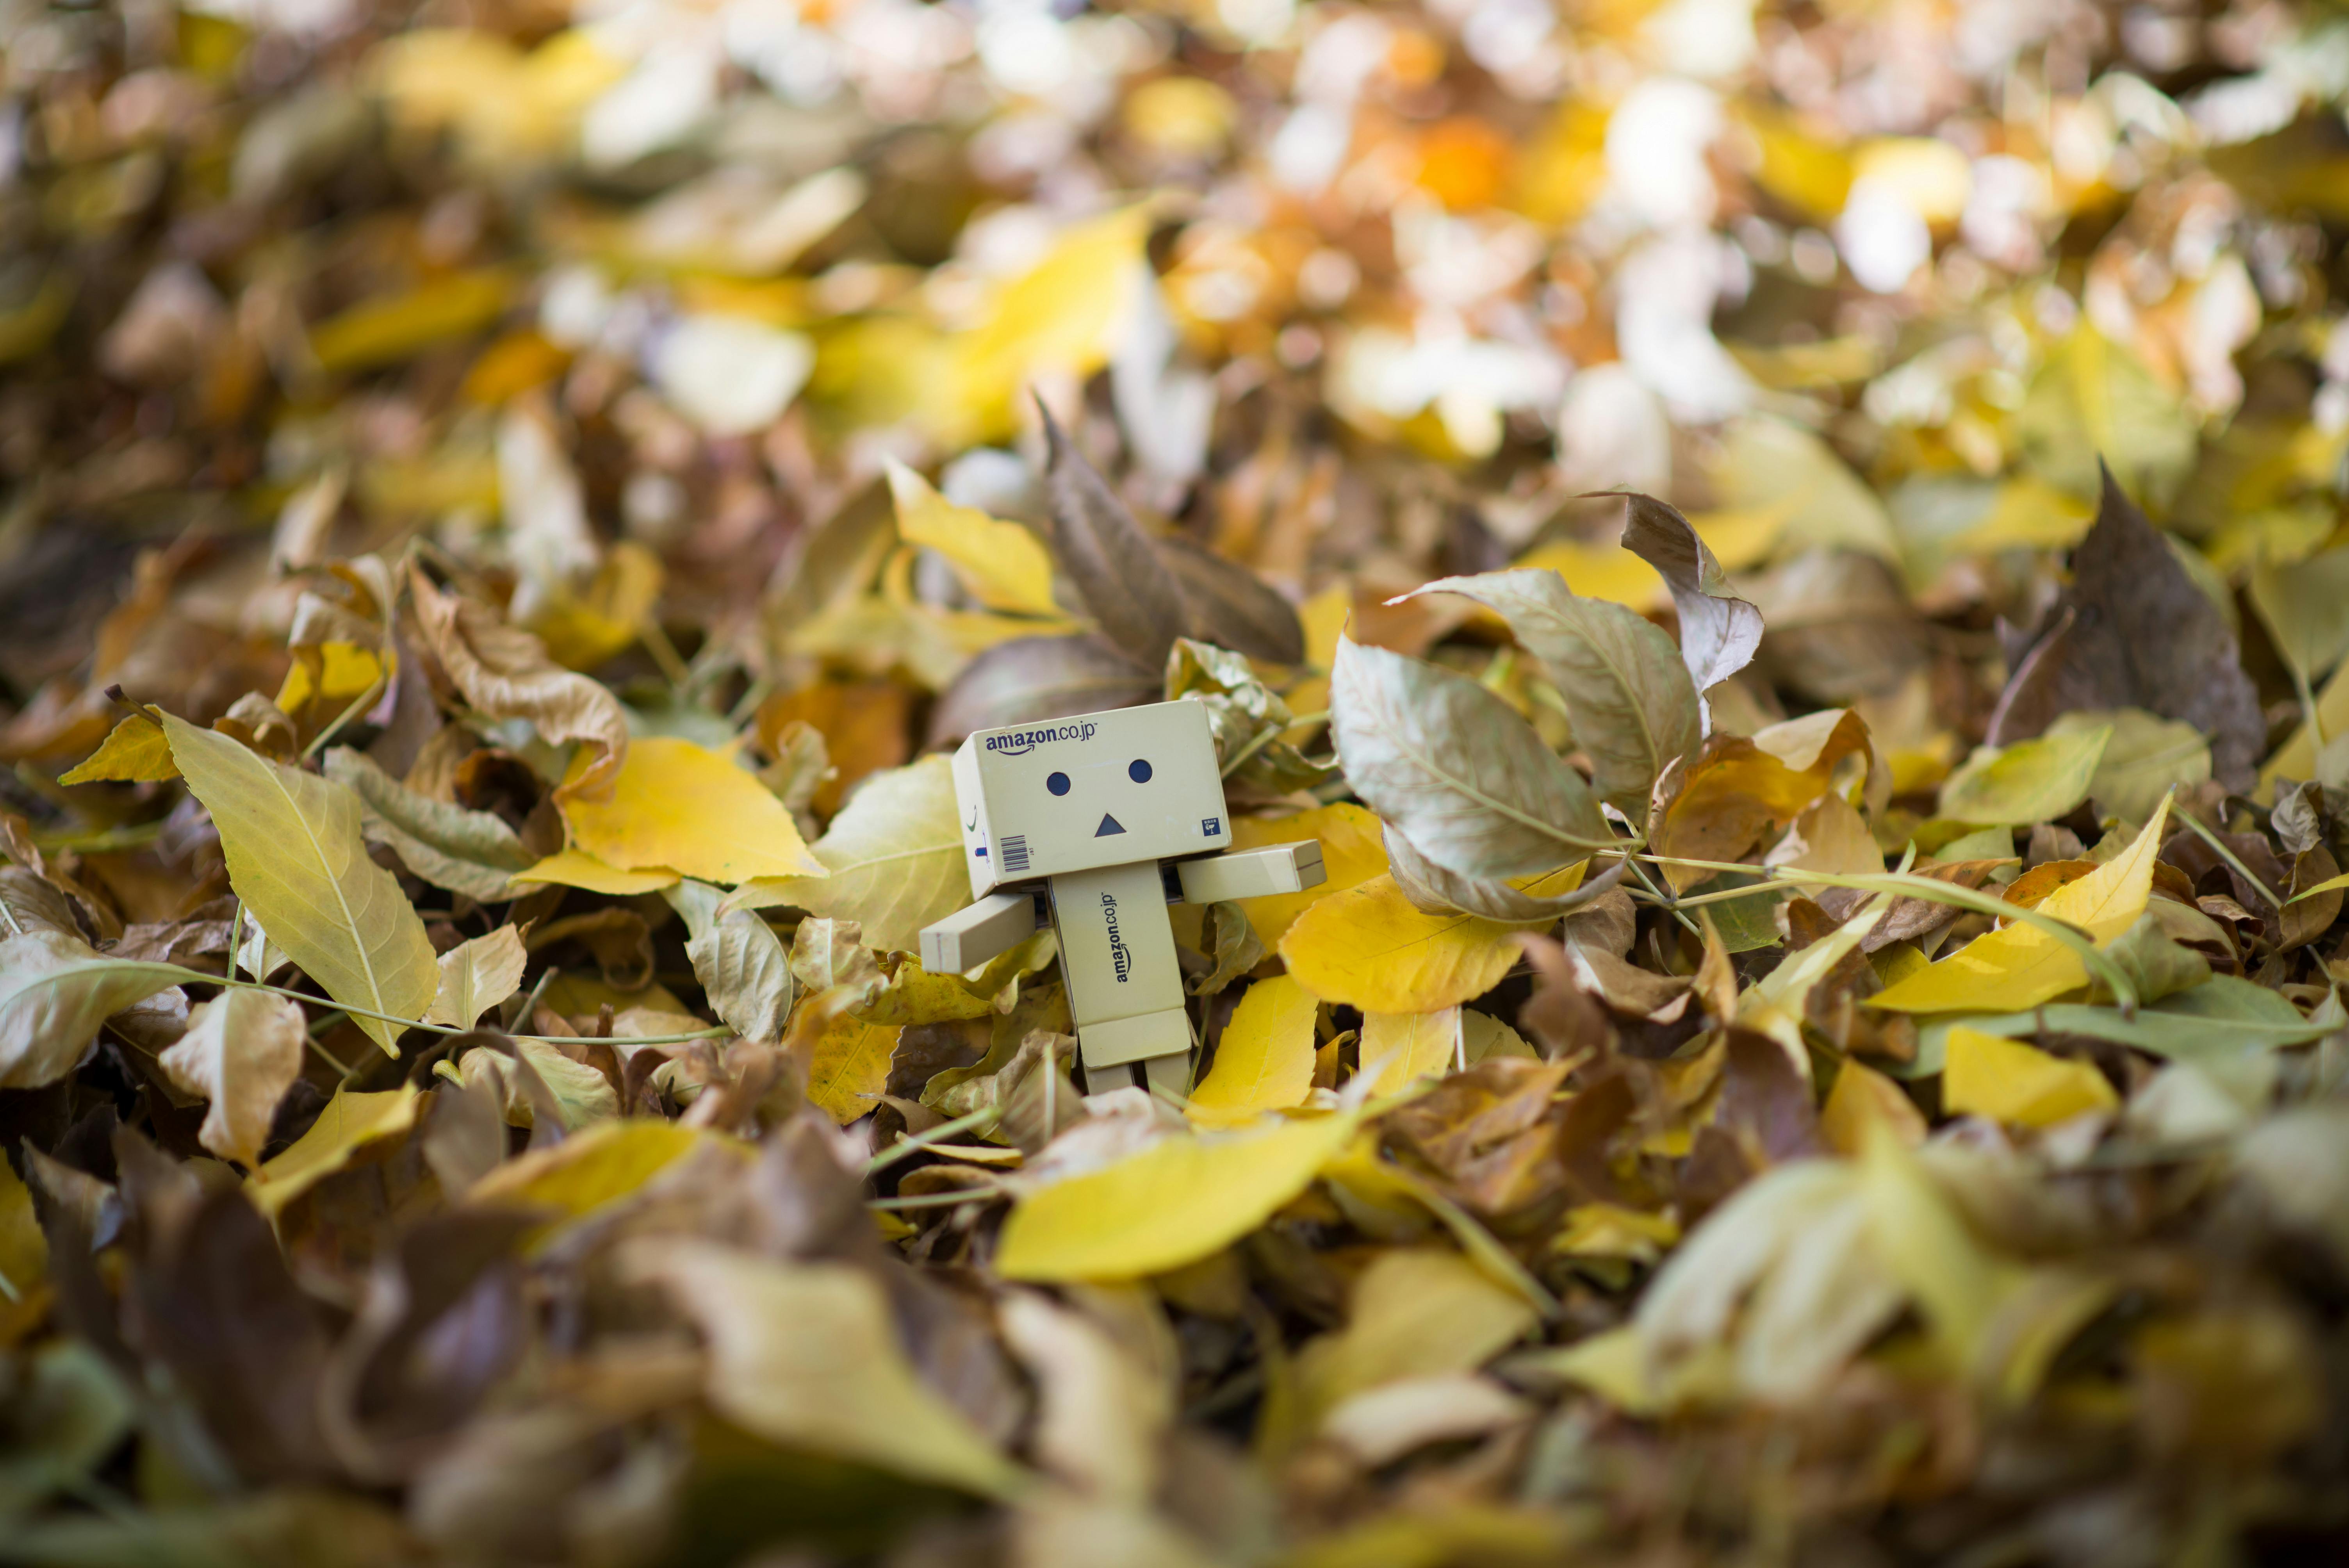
point(1822, 1040)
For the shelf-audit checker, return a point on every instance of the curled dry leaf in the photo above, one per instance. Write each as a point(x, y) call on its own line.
point(1129, 594)
point(1025, 678)
point(506, 673)
point(1719, 632)
point(242, 1051)
point(476, 975)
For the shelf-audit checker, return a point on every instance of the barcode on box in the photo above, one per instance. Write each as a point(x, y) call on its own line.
point(1015, 854)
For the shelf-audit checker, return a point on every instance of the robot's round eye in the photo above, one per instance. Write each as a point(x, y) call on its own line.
point(1058, 783)
point(1138, 770)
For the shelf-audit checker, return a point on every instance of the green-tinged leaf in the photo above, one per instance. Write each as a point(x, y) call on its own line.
point(2030, 781)
point(55, 992)
point(895, 854)
point(471, 852)
point(349, 1122)
point(1769, 464)
point(476, 975)
point(2147, 755)
point(581, 1094)
point(1453, 769)
point(2092, 398)
point(295, 856)
point(242, 1051)
point(68, 1410)
point(740, 961)
point(2228, 1027)
point(1633, 704)
point(134, 752)
point(807, 1356)
point(2305, 605)
point(1178, 1201)
point(1264, 1060)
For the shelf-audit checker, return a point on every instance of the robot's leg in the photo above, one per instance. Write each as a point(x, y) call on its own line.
point(1170, 1073)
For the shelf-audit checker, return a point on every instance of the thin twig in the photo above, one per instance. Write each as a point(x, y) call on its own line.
point(914, 1143)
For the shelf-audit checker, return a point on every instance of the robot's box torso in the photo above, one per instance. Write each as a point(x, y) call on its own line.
point(1098, 789)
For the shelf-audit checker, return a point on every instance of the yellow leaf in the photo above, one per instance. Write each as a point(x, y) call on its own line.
point(807, 1356)
point(683, 808)
point(2007, 1080)
point(1178, 1201)
point(336, 674)
point(1265, 1059)
point(1605, 572)
point(477, 975)
point(1353, 851)
point(1414, 1313)
point(2296, 757)
point(1862, 1097)
point(2018, 965)
point(1003, 565)
point(570, 867)
point(895, 857)
point(23, 1248)
point(1409, 1046)
point(1369, 948)
point(349, 1122)
point(584, 629)
point(134, 753)
point(593, 1166)
point(849, 1066)
point(399, 326)
point(295, 855)
point(1956, 1283)
point(1059, 316)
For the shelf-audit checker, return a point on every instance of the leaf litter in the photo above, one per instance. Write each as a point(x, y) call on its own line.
point(1790, 557)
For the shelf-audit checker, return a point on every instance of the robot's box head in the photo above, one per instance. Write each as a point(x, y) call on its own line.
point(1097, 789)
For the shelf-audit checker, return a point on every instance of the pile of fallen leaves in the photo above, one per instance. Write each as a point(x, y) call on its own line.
point(1823, 1039)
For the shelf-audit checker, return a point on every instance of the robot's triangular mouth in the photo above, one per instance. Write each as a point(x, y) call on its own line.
point(1108, 825)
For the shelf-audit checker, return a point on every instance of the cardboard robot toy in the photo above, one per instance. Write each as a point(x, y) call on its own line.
point(1097, 822)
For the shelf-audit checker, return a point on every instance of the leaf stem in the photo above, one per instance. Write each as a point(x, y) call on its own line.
point(1667, 899)
point(937, 1200)
point(358, 704)
point(709, 1034)
point(2071, 936)
point(2228, 855)
point(914, 1143)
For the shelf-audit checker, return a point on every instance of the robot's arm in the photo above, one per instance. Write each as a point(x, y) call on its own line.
point(994, 925)
point(1253, 873)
